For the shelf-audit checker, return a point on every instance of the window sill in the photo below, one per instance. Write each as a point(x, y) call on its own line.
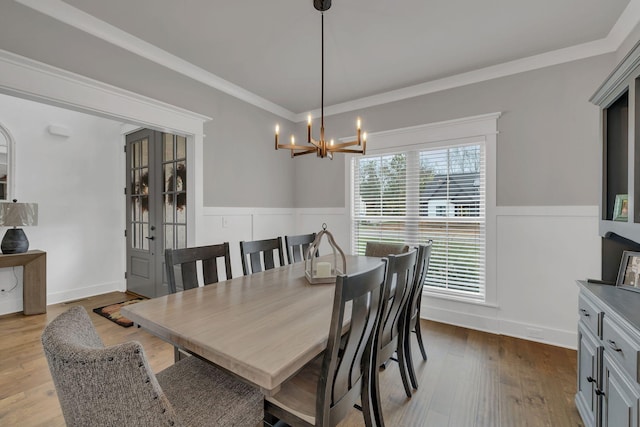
point(457, 298)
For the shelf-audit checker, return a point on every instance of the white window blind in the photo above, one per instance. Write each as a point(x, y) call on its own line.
point(433, 194)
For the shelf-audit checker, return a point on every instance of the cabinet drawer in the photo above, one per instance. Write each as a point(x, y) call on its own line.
point(621, 348)
point(590, 315)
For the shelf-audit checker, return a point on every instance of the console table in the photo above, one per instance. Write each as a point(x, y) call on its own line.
point(34, 280)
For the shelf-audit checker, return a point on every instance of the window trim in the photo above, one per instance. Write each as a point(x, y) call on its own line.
point(433, 135)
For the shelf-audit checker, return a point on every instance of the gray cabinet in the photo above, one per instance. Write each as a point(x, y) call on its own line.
point(619, 396)
point(608, 383)
point(589, 352)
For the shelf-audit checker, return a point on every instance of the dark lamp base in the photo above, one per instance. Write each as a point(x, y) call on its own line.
point(14, 242)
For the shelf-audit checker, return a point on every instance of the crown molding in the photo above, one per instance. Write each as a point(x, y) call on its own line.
point(83, 21)
point(37, 81)
point(70, 15)
point(543, 60)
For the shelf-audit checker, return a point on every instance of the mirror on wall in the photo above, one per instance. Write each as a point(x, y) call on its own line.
point(5, 158)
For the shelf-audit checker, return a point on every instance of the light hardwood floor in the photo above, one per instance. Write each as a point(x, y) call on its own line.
point(471, 378)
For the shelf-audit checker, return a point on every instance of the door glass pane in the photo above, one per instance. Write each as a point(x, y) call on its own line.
point(181, 236)
point(169, 179)
point(168, 237)
point(167, 147)
point(181, 147)
point(181, 176)
point(168, 209)
point(181, 214)
point(144, 157)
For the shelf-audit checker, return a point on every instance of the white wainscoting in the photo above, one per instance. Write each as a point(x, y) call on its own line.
point(541, 252)
point(228, 224)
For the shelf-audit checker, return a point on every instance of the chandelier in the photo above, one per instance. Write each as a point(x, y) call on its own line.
point(322, 147)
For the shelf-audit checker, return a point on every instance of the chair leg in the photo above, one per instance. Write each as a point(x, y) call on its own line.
point(409, 360)
point(367, 404)
point(376, 402)
point(402, 365)
point(420, 343)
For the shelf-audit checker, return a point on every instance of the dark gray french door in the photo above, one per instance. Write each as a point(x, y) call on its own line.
point(156, 197)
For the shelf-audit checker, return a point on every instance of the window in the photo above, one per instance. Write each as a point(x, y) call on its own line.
point(437, 191)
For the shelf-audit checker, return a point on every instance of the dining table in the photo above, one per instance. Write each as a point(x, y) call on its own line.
point(263, 327)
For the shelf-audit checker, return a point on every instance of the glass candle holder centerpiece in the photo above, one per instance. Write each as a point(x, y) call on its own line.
point(324, 271)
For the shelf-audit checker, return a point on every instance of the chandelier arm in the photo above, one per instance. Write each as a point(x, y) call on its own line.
point(345, 150)
point(293, 147)
point(308, 150)
point(342, 145)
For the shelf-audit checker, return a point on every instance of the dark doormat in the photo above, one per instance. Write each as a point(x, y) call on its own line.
point(112, 312)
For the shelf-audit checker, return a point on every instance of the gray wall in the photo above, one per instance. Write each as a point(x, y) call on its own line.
point(548, 145)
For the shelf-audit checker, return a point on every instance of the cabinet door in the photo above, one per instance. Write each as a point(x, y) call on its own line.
point(621, 396)
point(587, 400)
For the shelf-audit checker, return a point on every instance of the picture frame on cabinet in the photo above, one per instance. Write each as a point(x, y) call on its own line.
point(629, 272)
point(621, 208)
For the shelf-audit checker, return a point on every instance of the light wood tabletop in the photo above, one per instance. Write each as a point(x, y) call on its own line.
point(263, 327)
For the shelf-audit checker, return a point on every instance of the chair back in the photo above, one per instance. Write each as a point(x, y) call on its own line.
point(345, 372)
point(379, 249)
point(259, 252)
point(101, 385)
point(297, 246)
point(188, 258)
point(415, 294)
point(400, 274)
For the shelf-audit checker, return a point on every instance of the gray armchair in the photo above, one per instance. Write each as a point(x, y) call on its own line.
point(114, 386)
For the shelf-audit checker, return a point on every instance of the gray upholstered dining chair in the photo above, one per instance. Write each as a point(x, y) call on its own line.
point(380, 249)
point(326, 389)
point(115, 386)
point(411, 322)
point(187, 259)
point(260, 252)
point(398, 283)
point(297, 246)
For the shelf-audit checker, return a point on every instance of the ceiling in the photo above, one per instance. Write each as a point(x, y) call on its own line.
point(271, 50)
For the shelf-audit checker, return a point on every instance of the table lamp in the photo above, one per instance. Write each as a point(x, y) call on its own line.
point(16, 215)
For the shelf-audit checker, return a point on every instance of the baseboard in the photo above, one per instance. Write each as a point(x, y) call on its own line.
point(89, 291)
point(492, 325)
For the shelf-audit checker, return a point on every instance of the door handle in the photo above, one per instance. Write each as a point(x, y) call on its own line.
point(151, 237)
point(613, 346)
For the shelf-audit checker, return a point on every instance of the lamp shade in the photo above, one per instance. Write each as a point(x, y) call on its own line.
point(18, 214)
